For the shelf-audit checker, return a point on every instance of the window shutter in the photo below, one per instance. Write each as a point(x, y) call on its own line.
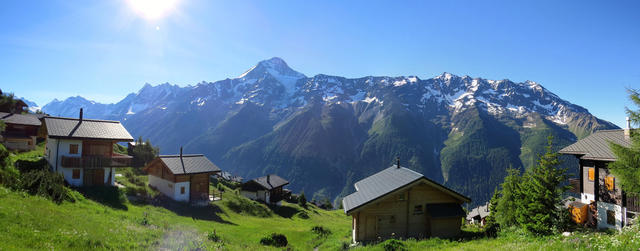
point(610, 183)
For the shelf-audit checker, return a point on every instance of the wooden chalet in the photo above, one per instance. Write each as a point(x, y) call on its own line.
point(478, 215)
point(82, 149)
point(602, 202)
point(400, 202)
point(183, 177)
point(268, 189)
point(20, 131)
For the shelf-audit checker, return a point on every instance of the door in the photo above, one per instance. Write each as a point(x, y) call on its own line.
point(370, 230)
point(93, 177)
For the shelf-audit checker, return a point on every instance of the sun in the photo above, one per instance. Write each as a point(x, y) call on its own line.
point(152, 9)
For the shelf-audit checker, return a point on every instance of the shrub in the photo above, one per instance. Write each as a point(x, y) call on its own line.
point(145, 219)
point(302, 200)
point(303, 215)
point(321, 231)
point(393, 245)
point(46, 184)
point(275, 239)
point(213, 236)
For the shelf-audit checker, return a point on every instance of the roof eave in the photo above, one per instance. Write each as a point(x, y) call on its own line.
point(87, 138)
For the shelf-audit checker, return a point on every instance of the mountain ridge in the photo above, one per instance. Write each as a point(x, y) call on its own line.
point(324, 132)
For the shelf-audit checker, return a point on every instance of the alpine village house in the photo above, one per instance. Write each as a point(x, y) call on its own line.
point(82, 149)
point(20, 131)
point(268, 189)
point(603, 204)
point(400, 202)
point(183, 177)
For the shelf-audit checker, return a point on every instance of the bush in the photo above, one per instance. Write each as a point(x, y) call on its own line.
point(393, 245)
point(275, 239)
point(213, 236)
point(321, 231)
point(46, 184)
point(303, 215)
point(302, 200)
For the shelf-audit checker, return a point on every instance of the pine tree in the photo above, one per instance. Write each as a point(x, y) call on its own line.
point(626, 168)
point(491, 226)
point(509, 200)
point(540, 211)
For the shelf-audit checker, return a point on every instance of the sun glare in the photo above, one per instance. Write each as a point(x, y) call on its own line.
point(152, 9)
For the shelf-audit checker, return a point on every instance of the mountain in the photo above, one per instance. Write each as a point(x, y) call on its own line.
point(323, 133)
point(33, 107)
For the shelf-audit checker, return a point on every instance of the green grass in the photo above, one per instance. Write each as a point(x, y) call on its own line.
point(33, 222)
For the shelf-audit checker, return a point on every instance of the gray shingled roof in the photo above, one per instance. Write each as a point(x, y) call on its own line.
point(383, 183)
point(482, 211)
point(596, 145)
point(188, 164)
point(274, 181)
point(20, 119)
point(87, 129)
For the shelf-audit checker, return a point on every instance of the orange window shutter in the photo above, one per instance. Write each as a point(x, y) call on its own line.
point(610, 183)
point(592, 174)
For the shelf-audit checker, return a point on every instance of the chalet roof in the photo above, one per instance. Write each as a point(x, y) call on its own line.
point(188, 164)
point(273, 181)
point(481, 211)
point(20, 119)
point(596, 145)
point(73, 128)
point(385, 182)
point(445, 210)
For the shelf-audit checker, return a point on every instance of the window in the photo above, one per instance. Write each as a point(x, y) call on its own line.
point(417, 210)
point(73, 149)
point(610, 183)
point(75, 174)
point(592, 174)
point(181, 190)
point(611, 217)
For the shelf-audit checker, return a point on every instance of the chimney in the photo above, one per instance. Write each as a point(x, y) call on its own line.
point(80, 114)
point(398, 162)
point(627, 131)
point(268, 179)
point(181, 152)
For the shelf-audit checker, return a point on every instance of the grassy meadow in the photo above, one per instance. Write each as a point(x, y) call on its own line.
point(233, 223)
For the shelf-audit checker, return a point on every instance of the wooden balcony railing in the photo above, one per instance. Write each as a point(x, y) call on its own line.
point(633, 203)
point(97, 161)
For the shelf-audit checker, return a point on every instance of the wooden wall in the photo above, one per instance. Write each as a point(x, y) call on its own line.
point(395, 214)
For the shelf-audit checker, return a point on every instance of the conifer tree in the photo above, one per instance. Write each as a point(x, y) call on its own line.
point(540, 210)
point(626, 168)
point(510, 197)
point(491, 226)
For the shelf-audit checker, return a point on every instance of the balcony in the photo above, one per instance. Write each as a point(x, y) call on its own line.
point(97, 161)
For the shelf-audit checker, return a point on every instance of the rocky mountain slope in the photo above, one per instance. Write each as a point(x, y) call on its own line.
point(323, 133)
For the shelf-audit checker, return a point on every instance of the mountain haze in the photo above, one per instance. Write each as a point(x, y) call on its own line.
point(323, 133)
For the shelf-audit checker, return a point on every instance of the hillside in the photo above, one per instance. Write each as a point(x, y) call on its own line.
point(323, 133)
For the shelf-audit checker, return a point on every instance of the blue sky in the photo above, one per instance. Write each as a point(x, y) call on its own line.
point(587, 52)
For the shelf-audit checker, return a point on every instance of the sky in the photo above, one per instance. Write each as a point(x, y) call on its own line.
point(587, 52)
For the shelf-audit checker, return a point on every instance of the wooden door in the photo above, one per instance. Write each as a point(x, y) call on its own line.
point(370, 230)
point(98, 177)
point(93, 177)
